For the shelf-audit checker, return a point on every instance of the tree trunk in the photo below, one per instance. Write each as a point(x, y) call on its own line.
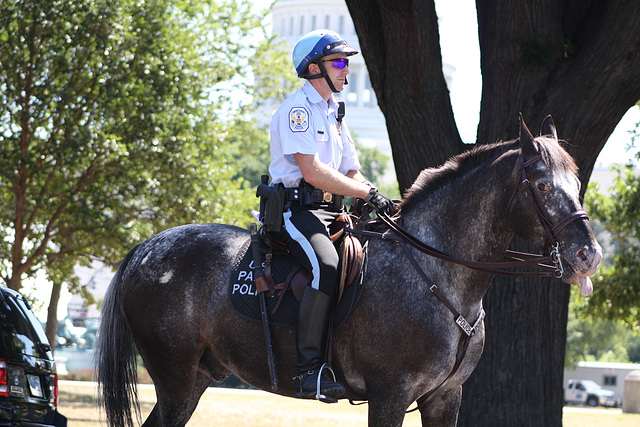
point(52, 315)
point(15, 282)
point(400, 44)
point(584, 69)
point(576, 60)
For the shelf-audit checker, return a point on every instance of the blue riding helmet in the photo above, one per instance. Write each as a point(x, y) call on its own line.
point(318, 44)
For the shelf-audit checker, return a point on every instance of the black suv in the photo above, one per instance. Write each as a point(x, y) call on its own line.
point(28, 380)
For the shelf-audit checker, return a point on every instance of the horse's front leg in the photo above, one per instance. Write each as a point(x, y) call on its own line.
point(387, 406)
point(442, 409)
point(385, 413)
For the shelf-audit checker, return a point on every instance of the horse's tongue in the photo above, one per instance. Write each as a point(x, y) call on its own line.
point(586, 287)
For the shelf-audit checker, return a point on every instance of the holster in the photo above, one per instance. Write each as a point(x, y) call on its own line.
point(272, 200)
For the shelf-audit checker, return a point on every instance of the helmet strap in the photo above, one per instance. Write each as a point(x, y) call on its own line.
point(323, 70)
point(323, 73)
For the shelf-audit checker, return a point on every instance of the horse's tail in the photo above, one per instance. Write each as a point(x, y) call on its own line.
point(116, 357)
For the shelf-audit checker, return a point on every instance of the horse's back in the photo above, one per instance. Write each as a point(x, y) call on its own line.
point(185, 251)
point(179, 275)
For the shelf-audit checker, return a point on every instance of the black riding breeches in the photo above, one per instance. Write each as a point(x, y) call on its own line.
point(307, 234)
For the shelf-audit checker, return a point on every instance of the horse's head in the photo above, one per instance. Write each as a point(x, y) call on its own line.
point(549, 197)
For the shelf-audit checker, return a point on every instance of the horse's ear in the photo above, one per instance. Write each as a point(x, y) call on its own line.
point(526, 140)
point(548, 128)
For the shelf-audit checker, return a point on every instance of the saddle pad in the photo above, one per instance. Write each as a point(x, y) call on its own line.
point(244, 299)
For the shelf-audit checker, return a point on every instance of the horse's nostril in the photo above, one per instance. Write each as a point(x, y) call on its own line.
point(582, 254)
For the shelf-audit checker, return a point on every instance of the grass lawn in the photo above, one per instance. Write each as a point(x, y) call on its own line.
point(240, 408)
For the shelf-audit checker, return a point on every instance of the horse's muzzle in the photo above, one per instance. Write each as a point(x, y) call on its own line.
point(583, 263)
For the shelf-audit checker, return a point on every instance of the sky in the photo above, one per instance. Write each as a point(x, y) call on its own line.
point(459, 44)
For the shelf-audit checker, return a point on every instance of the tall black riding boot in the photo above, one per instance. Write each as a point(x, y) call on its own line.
point(311, 338)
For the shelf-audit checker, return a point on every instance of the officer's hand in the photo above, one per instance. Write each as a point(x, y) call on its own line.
point(380, 202)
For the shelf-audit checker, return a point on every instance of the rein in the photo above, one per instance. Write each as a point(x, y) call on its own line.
point(513, 259)
point(517, 259)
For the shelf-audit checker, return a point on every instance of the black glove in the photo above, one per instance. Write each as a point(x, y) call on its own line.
point(380, 202)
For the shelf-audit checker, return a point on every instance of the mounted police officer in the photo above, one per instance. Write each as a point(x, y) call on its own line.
point(314, 158)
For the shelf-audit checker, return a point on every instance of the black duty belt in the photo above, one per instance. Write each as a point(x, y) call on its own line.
point(308, 197)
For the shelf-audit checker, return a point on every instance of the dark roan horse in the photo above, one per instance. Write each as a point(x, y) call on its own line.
point(401, 344)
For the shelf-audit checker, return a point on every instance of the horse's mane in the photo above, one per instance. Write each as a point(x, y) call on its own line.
point(431, 179)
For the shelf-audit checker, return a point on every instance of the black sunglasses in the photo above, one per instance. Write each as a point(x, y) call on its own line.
point(338, 63)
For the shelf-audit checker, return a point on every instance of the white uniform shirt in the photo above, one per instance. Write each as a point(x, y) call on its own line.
point(305, 123)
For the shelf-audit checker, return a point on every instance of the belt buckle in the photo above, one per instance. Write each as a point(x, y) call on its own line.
point(327, 197)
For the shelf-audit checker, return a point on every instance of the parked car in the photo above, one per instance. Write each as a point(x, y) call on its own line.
point(28, 380)
point(587, 392)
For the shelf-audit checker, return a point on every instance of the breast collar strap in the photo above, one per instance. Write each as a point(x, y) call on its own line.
point(459, 319)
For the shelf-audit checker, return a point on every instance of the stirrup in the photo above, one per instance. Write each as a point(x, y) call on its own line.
point(320, 396)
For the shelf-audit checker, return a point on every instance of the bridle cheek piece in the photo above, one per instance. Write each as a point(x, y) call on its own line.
point(550, 230)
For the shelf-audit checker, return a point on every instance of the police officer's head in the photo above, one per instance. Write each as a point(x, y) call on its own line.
point(313, 47)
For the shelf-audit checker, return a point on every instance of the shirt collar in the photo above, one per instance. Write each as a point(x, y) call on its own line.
point(315, 98)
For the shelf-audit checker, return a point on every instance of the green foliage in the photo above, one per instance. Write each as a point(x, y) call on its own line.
point(590, 339)
point(605, 327)
point(373, 162)
point(374, 165)
point(633, 350)
point(111, 128)
point(250, 145)
point(274, 74)
point(616, 292)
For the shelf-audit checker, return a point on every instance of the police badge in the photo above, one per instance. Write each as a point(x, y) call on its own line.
point(298, 119)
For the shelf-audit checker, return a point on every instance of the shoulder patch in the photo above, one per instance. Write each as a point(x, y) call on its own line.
point(298, 119)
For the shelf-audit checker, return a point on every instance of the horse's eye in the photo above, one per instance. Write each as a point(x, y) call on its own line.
point(542, 186)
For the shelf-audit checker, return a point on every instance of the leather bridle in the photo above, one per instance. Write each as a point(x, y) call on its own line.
point(550, 229)
point(513, 259)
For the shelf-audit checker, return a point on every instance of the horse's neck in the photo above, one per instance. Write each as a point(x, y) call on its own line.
point(465, 220)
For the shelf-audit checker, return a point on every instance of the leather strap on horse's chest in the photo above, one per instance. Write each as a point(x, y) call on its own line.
point(462, 352)
point(459, 319)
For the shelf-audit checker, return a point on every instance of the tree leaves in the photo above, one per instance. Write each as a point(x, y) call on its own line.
point(110, 127)
point(617, 285)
